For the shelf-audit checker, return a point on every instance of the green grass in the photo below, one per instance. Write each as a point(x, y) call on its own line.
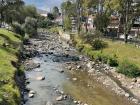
point(123, 51)
point(9, 93)
point(118, 48)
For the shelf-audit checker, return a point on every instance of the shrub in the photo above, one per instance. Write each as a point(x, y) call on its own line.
point(112, 61)
point(128, 69)
point(17, 28)
point(101, 57)
point(30, 26)
point(98, 44)
point(80, 47)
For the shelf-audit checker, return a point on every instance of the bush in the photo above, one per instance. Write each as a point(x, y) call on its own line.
point(17, 28)
point(98, 44)
point(30, 26)
point(101, 57)
point(112, 61)
point(128, 69)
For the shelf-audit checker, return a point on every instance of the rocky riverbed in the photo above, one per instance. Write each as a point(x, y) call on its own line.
point(57, 75)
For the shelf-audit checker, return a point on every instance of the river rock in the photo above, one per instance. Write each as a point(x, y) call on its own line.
point(60, 98)
point(127, 95)
point(32, 92)
point(74, 79)
point(91, 71)
point(30, 95)
point(134, 80)
point(89, 65)
point(138, 80)
point(40, 78)
point(135, 100)
point(79, 66)
point(61, 71)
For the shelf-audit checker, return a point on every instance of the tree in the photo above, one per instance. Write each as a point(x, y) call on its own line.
point(50, 16)
point(86, 5)
point(101, 22)
point(68, 10)
point(127, 11)
point(55, 12)
point(8, 9)
point(30, 26)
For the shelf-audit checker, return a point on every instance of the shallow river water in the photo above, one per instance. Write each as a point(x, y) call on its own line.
point(56, 82)
point(46, 90)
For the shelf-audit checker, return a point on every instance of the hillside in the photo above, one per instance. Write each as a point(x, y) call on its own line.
point(9, 45)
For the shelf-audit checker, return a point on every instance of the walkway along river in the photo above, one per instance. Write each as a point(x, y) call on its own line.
point(54, 77)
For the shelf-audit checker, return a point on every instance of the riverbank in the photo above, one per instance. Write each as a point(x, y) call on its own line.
point(120, 84)
point(59, 68)
point(9, 51)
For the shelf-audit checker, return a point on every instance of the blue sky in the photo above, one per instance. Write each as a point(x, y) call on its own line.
point(44, 4)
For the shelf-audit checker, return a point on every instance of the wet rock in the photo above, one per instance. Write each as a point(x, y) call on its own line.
point(30, 95)
point(79, 66)
point(134, 80)
point(61, 71)
point(76, 102)
point(60, 98)
point(127, 95)
point(91, 71)
point(89, 65)
point(138, 80)
point(40, 78)
point(32, 92)
point(69, 67)
point(135, 100)
point(74, 79)
point(49, 103)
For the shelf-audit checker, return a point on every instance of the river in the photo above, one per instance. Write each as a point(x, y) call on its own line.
point(71, 87)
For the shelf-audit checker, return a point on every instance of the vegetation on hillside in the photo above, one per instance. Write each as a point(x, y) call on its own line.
point(9, 92)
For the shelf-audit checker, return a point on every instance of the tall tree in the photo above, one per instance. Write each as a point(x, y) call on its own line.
point(55, 11)
point(127, 11)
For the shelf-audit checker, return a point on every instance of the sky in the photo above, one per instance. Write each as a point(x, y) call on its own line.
point(44, 4)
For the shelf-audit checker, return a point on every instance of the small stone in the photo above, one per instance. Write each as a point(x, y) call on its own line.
point(76, 102)
point(32, 92)
point(78, 67)
point(134, 80)
point(40, 78)
point(61, 71)
point(74, 79)
point(127, 95)
point(91, 71)
point(60, 98)
point(30, 95)
point(135, 100)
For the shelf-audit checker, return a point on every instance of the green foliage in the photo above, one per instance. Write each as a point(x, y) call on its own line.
point(51, 16)
point(30, 26)
point(98, 44)
point(129, 69)
point(112, 61)
point(67, 23)
point(101, 22)
point(55, 11)
point(17, 28)
point(89, 37)
point(46, 23)
point(9, 93)
point(20, 70)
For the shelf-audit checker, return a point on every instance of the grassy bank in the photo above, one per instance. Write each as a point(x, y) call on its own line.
point(9, 46)
point(122, 52)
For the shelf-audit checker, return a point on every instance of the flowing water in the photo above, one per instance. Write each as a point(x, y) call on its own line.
point(55, 82)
